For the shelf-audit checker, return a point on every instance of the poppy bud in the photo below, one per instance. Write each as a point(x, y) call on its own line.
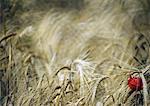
point(135, 83)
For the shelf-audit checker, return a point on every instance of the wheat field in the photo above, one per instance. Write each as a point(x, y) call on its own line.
point(74, 52)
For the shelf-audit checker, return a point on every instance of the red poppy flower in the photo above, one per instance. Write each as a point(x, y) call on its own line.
point(135, 83)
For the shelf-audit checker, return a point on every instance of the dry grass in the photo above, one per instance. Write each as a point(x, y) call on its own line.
point(76, 58)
